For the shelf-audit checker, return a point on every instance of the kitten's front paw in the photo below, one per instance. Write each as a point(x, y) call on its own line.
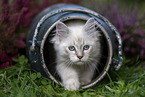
point(72, 84)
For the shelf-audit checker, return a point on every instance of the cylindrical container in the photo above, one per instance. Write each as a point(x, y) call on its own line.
point(41, 53)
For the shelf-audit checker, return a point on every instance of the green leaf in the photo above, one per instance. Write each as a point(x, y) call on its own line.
point(38, 75)
point(33, 76)
point(20, 94)
point(44, 82)
point(85, 95)
point(15, 60)
point(110, 89)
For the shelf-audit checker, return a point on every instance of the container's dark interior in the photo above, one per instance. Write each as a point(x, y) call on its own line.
point(50, 55)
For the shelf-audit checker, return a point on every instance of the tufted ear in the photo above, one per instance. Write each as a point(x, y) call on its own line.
point(62, 31)
point(90, 27)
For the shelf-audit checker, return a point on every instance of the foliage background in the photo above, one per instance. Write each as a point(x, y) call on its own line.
point(21, 80)
point(15, 19)
point(17, 15)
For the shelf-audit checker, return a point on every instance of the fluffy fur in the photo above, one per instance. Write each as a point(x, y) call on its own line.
point(77, 46)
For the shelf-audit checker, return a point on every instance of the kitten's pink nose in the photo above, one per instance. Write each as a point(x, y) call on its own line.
point(80, 57)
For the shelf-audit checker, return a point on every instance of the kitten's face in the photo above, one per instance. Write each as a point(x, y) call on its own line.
point(79, 43)
point(80, 52)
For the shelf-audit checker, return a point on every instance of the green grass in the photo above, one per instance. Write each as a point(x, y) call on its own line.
point(22, 81)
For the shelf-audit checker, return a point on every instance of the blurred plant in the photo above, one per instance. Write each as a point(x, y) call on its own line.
point(131, 29)
point(15, 19)
point(130, 25)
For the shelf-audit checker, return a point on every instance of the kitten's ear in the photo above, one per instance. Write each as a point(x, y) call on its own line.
point(62, 32)
point(90, 27)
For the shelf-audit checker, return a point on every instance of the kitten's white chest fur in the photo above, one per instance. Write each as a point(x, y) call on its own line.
point(77, 47)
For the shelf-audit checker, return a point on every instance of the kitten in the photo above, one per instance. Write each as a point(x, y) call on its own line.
point(77, 47)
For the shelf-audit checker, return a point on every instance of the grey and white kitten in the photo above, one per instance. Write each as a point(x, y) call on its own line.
point(77, 47)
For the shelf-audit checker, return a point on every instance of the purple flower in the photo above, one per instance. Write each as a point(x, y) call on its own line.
point(126, 36)
point(4, 57)
point(126, 49)
point(132, 40)
point(5, 65)
point(20, 44)
point(141, 44)
point(142, 53)
point(139, 32)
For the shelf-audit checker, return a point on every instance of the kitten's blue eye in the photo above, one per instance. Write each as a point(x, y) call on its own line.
point(86, 47)
point(71, 48)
